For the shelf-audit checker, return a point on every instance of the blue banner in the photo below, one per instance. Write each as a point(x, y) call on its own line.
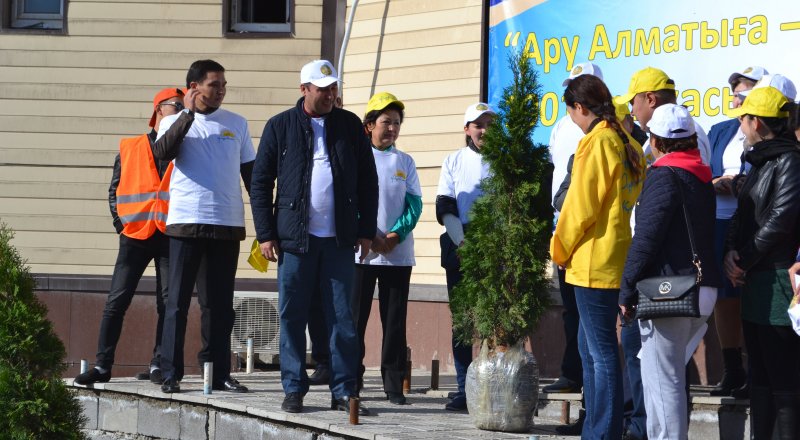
point(698, 44)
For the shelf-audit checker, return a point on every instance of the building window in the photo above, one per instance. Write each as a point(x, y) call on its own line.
point(260, 16)
point(37, 14)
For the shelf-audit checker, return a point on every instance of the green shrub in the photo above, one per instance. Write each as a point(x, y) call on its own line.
point(505, 287)
point(34, 402)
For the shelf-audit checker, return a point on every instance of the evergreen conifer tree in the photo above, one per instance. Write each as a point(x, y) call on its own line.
point(34, 401)
point(505, 287)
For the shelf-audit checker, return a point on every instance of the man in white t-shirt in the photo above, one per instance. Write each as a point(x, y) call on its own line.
point(211, 148)
point(324, 209)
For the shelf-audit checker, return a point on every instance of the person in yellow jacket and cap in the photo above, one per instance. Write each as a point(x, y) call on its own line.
point(138, 198)
point(591, 240)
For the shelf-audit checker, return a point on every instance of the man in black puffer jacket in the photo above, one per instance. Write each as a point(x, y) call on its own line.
point(325, 204)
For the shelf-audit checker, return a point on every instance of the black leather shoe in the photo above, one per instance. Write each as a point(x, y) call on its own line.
point(143, 376)
point(731, 380)
point(230, 384)
point(292, 403)
point(396, 398)
point(458, 403)
point(562, 385)
point(344, 405)
point(156, 377)
point(573, 428)
point(92, 376)
point(631, 436)
point(741, 393)
point(320, 376)
point(170, 386)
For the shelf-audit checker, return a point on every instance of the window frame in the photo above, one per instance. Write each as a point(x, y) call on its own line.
point(19, 19)
point(236, 29)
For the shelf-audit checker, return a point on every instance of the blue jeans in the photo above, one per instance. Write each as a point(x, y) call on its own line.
point(329, 268)
point(631, 344)
point(602, 377)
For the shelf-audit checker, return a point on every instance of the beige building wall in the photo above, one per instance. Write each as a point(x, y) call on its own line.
point(66, 100)
point(428, 54)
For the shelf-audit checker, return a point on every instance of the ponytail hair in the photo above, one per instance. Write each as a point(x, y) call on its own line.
point(592, 93)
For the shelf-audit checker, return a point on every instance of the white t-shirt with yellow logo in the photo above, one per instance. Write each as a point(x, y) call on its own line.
point(397, 175)
point(205, 186)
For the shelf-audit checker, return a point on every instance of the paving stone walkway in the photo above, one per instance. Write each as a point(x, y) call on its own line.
point(423, 417)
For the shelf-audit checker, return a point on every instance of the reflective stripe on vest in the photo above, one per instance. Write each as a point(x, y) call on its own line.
point(142, 197)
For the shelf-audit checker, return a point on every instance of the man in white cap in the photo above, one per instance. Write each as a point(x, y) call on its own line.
point(325, 208)
point(727, 146)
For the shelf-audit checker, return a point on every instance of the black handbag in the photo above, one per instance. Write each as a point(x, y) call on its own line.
point(672, 296)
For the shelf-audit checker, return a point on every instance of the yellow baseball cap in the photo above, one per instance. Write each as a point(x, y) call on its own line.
point(766, 102)
point(380, 101)
point(621, 109)
point(648, 79)
point(256, 258)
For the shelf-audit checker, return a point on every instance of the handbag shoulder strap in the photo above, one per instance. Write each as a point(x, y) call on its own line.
point(688, 219)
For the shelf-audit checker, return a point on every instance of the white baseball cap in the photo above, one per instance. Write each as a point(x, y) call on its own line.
point(753, 73)
point(671, 121)
point(475, 111)
point(778, 81)
point(583, 69)
point(318, 72)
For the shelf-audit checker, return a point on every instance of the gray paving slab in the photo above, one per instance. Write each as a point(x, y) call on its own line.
point(258, 412)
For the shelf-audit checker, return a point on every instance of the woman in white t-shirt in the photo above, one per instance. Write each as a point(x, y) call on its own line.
point(392, 253)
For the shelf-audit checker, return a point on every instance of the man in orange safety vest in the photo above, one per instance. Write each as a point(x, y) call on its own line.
point(138, 198)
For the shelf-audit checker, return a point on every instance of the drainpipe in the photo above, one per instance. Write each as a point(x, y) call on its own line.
point(344, 46)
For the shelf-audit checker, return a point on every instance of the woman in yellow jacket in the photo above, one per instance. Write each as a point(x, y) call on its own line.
point(591, 240)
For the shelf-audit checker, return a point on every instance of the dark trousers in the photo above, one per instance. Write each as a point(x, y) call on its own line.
point(211, 264)
point(133, 257)
point(393, 284)
point(774, 353)
point(318, 333)
point(571, 367)
point(462, 353)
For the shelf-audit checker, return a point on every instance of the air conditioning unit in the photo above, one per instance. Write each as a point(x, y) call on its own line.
point(257, 318)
